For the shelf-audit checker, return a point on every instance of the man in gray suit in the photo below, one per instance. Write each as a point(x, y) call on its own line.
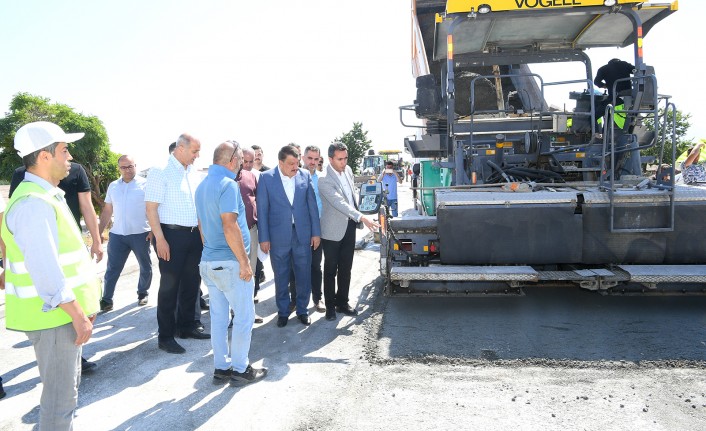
point(339, 219)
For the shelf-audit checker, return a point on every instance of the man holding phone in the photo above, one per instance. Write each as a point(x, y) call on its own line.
point(389, 180)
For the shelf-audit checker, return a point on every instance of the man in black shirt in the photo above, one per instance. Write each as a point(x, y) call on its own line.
point(606, 76)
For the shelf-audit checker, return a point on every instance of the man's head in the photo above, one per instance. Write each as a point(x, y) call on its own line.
point(338, 156)
point(299, 149)
point(128, 167)
point(288, 158)
point(43, 148)
point(187, 149)
point(229, 155)
point(312, 156)
point(389, 164)
point(172, 146)
point(258, 157)
point(321, 164)
point(248, 159)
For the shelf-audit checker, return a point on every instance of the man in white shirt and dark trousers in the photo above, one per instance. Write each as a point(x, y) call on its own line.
point(171, 211)
point(125, 199)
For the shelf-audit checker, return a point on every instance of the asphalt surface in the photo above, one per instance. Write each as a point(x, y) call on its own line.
point(552, 359)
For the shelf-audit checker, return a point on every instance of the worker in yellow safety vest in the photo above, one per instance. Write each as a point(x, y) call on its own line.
point(52, 289)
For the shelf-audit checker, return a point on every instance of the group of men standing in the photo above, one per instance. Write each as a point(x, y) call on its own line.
point(200, 229)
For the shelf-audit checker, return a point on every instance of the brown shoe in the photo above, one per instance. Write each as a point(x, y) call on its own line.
point(258, 319)
point(320, 307)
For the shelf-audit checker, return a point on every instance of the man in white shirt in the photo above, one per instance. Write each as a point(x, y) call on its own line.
point(125, 199)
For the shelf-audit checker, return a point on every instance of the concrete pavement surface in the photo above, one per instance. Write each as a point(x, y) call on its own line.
point(549, 360)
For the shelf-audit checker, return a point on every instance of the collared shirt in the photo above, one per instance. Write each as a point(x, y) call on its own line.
point(389, 184)
point(173, 189)
point(346, 185)
point(219, 194)
point(33, 225)
point(289, 186)
point(248, 190)
point(315, 182)
point(128, 200)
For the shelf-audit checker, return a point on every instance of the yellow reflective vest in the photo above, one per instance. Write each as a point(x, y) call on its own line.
point(23, 306)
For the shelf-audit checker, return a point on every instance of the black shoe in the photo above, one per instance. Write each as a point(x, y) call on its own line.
point(142, 299)
point(258, 319)
point(87, 366)
point(170, 346)
point(305, 319)
point(347, 310)
point(282, 321)
point(222, 376)
point(330, 314)
point(250, 375)
point(106, 306)
point(2, 391)
point(199, 326)
point(203, 304)
point(195, 334)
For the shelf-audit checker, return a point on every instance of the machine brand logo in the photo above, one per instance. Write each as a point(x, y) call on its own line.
point(531, 4)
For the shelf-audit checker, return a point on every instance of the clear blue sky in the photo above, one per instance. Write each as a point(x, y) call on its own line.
point(265, 73)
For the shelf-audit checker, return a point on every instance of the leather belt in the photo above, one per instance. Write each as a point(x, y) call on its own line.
point(179, 227)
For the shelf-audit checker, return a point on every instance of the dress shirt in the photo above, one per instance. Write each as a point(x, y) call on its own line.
point(289, 186)
point(315, 182)
point(346, 185)
point(33, 225)
point(173, 189)
point(128, 200)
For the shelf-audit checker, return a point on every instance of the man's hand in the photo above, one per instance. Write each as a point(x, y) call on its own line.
point(97, 251)
point(163, 249)
point(265, 246)
point(2, 281)
point(315, 241)
point(149, 237)
point(245, 271)
point(84, 329)
point(370, 223)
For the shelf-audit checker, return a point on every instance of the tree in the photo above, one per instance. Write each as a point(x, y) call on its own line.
point(358, 144)
point(92, 151)
point(682, 126)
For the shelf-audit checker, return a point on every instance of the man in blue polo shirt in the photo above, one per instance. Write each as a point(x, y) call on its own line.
point(225, 266)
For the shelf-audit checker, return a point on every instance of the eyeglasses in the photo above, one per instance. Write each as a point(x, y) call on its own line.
point(124, 168)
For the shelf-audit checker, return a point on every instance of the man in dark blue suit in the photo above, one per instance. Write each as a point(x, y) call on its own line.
point(288, 227)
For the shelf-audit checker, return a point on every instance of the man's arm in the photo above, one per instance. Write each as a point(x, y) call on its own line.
point(91, 220)
point(234, 238)
point(263, 212)
point(106, 215)
point(153, 220)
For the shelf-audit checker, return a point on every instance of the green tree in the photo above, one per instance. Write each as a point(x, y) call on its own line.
point(358, 144)
point(682, 125)
point(92, 151)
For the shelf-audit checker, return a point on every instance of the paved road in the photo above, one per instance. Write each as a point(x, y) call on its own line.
point(552, 359)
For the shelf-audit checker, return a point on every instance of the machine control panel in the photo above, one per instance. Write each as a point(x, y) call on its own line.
point(370, 197)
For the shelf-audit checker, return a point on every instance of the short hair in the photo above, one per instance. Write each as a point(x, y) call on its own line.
point(31, 159)
point(172, 146)
point(295, 145)
point(248, 150)
point(312, 148)
point(256, 147)
point(225, 152)
point(123, 156)
point(184, 140)
point(287, 150)
point(389, 163)
point(336, 146)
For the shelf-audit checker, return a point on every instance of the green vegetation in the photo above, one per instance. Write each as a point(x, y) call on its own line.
point(92, 151)
point(358, 144)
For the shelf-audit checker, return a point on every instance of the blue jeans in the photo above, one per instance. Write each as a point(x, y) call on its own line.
point(392, 203)
point(226, 290)
point(119, 248)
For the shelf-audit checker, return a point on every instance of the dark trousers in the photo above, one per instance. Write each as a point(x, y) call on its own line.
point(316, 274)
point(119, 248)
point(179, 281)
point(338, 262)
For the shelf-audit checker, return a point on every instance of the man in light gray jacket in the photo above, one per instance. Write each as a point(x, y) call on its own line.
point(339, 219)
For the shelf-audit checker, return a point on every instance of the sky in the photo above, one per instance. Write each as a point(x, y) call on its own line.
point(262, 73)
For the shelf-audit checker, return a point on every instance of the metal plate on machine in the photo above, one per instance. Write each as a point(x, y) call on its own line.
point(457, 198)
point(464, 273)
point(682, 194)
point(666, 273)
